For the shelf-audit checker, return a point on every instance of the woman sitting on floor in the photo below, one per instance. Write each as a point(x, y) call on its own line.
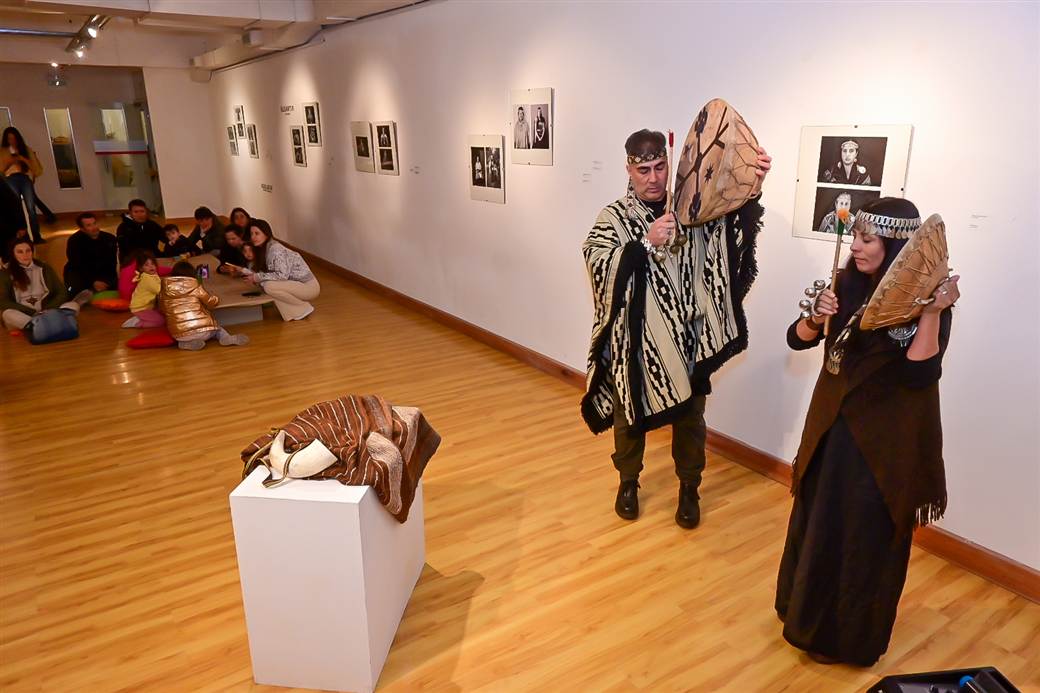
point(282, 273)
point(29, 286)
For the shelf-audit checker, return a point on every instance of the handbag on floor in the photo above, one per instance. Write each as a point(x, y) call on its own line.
point(52, 325)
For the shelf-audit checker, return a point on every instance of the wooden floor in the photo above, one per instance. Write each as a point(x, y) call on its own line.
point(118, 563)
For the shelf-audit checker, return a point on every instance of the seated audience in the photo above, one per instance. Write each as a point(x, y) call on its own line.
point(91, 255)
point(176, 243)
point(146, 292)
point(138, 232)
point(29, 286)
point(186, 306)
point(282, 273)
point(208, 234)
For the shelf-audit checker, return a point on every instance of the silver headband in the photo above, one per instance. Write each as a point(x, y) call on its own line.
point(889, 227)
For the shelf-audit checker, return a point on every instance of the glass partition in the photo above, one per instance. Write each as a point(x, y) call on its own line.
point(63, 147)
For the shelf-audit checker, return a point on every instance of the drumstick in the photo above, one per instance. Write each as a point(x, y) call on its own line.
point(843, 216)
point(671, 153)
point(25, 211)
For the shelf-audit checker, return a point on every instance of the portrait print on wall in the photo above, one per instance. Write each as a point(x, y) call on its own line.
point(846, 166)
point(485, 168)
point(240, 122)
point(531, 126)
point(361, 133)
point(386, 146)
point(254, 147)
point(232, 140)
point(312, 117)
point(299, 148)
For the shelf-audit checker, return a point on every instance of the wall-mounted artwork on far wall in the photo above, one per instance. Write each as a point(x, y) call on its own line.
point(845, 167)
point(312, 118)
point(486, 178)
point(297, 138)
point(386, 148)
point(232, 140)
point(361, 143)
point(254, 146)
point(240, 121)
point(531, 126)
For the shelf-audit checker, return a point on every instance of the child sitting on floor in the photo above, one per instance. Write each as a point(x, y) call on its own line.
point(146, 291)
point(186, 306)
point(176, 244)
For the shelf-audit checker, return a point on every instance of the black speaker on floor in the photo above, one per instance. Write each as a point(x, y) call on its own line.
point(982, 680)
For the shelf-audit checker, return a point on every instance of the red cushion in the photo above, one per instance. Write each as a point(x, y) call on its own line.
point(151, 339)
point(113, 305)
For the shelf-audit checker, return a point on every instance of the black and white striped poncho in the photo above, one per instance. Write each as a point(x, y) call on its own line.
point(662, 329)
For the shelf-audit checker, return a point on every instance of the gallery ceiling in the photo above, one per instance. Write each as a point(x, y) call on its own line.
point(235, 30)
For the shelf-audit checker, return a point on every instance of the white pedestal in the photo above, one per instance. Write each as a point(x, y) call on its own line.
point(326, 575)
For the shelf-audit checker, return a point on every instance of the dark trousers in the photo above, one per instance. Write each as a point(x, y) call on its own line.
point(689, 433)
point(23, 185)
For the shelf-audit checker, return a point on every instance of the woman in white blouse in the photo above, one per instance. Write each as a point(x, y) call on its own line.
point(282, 273)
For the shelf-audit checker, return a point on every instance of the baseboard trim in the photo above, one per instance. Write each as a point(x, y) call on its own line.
point(992, 566)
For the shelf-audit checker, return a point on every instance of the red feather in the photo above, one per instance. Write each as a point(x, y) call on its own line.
point(671, 138)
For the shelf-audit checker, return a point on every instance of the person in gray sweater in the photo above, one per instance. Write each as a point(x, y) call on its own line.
point(282, 273)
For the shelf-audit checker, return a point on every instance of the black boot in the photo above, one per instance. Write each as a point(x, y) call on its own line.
point(688, 514)
point(627, 503)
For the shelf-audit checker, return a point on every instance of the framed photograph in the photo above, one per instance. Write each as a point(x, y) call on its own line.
point(386, 148)
point(531, 126)
point(232, 140)
point(312, 118)
point(254, 147)
point(240, 121)
point(361, 137)
point(846, 166)
point(486, 178)
point(299, 148)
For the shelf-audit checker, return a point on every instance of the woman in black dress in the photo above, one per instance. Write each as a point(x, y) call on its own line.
point(869, 468)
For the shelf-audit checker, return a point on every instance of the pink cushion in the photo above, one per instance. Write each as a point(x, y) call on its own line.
point(151, 339)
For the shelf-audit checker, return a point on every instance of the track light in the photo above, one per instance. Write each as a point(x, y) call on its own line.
point(80, 52)
point(54, 64)
point(87, 33)
point(92, 30)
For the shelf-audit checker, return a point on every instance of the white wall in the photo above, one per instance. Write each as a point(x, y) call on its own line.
point(182, 123)
point(26, 92)
point(965, 75)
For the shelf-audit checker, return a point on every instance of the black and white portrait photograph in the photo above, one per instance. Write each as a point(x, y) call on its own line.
point(312, 118)
point(361, 131)
point(241, 130)
point(240, 115)
point(254, 147)
point(530, 116)
point(299, 149)
point(851, 160)
point(232, 140)
point(485, 168)
point(863, 161)
point(493, 166)
point(830, 200)
point(477, 167)
point(386, 145)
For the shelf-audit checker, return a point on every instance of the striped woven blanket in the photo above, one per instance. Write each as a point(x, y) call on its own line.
point(375, 444)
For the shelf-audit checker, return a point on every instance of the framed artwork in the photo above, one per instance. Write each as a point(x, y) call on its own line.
point(386, 148)
point(232, 140)
point(63, 147)
point(845, 167)
point(240, 121)
point(486, 178)
point(531, 126)
point(361, 142)
point(299, 146)
point(312, 118)
point(254, 146)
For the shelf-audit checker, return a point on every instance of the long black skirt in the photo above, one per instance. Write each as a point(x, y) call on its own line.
point(843, 568)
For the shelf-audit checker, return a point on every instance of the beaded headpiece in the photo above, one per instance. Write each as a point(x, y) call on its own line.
point(648, 156)
point(889, 227)
point(854, 143)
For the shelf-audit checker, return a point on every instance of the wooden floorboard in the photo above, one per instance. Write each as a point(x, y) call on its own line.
point(117, 561)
